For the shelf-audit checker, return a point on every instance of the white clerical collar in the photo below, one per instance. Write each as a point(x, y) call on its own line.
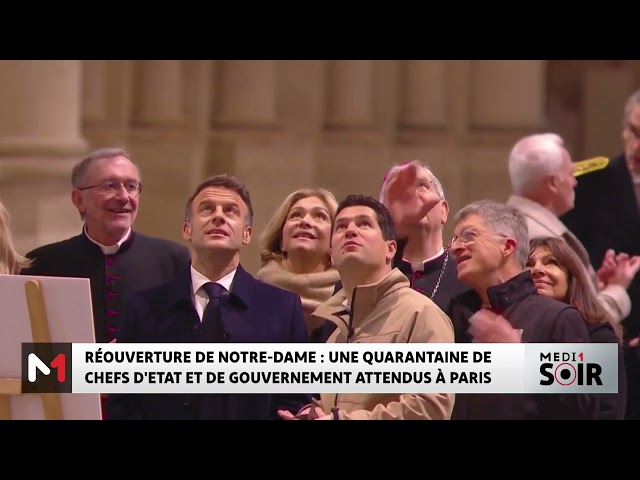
point(198, 280)
point(108, 249)
point(419, 266)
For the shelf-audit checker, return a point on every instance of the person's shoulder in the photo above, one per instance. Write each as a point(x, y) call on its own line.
point(549, 306)
point(418, 302)
point(590, 165)
point(552, 320)
point(554, 313)
point(466, 297)
point(592, 172)
point(151, 295)
point(602, 332)
point(408, 294)
point(55, 248)
point(159, 243)
point(269, 289)
point(271, 298)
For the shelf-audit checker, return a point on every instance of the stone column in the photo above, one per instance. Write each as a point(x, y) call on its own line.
point(349, 94)
point(94, 91)
point(40, 140)
point(507, 100)
point(41, 107)
point(423, 94)
point(508, 94)
point(246, 94)
point(159, 98)
point(605, 92)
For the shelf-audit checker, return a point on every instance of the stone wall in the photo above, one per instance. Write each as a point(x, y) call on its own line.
point(285, 124)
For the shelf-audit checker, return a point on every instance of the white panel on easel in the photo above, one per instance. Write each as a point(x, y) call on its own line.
point(70, 320)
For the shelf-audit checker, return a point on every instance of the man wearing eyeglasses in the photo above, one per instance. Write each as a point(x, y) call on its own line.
point(116, 259)
point(606, 219)
point(491, 247)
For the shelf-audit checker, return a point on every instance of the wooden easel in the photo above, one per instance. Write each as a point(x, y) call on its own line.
point(9, 387)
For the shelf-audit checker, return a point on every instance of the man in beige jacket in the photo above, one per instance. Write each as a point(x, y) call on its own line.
point(377, 305)
point(542, 183)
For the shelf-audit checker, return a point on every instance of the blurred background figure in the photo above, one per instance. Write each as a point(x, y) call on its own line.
point(558, 273)
point(542, 182)
point(295, 251)
point(11, 262)
point(606, 219)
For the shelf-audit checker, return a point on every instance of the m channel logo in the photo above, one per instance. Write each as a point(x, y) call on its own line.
point(46, 368)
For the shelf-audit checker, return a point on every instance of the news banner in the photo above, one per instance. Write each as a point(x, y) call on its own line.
point(156, 368)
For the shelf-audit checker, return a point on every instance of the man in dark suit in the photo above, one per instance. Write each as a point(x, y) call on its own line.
point(242, 309)
point(606, 219)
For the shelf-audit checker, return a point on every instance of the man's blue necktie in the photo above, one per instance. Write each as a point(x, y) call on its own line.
point(212, 325)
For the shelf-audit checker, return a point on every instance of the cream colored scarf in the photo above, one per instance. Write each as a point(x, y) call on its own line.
point(313, 288)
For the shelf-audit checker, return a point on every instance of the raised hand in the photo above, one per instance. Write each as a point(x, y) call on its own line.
point(625, 271)
point(407, 198)
point(607, 269)
point(308, 413)
point(489, 327)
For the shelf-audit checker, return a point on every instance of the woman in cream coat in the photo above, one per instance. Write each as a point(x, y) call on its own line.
point(295, 249)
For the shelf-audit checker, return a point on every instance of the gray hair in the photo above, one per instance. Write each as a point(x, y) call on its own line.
point(532, 158)
point(501, 219)
point(397, 168)
point(632, 101)
point(79, 171)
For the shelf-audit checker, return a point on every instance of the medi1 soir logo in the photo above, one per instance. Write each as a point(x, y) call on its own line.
point(568, 368)
point(572, 367)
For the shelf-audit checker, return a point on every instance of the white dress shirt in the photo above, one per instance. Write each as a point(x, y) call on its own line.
point(199, 295)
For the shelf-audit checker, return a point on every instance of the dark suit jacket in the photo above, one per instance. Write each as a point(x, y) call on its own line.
point(253, 312)
point(606, 216)
point(612, 405)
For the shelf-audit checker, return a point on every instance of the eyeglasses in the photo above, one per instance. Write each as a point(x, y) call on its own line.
point(468, 236)
point(111, 187)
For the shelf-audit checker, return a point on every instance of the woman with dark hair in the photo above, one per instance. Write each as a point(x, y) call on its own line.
point(557, 273)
